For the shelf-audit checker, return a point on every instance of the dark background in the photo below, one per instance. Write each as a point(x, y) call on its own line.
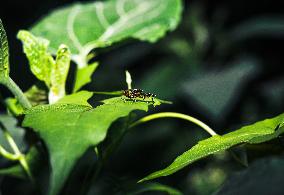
point(259, 96)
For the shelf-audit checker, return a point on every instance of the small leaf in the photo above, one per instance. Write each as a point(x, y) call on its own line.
point(83, 75)
point(59, 74)
point(257, 133)
point(4, 53)
point(79, 98)
point(105, 23)
point(69, 130)
point(41, 62)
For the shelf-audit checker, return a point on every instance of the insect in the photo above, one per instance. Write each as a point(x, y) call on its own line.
point(138, 93)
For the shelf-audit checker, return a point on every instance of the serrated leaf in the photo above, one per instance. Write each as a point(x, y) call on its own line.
point(59, 74)
point(257, 133)
point(83, 75)
point(41, 62)
point(69, 130)
point(79, 98)
point(4, 53)
point(100, 24)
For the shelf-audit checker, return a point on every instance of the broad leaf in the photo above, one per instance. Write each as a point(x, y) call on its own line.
point(100, 24)
point(41, 62)
point(259, 132)
point(69, 130)
point(59, 74)
point(83, 75)
point(4, 53)
point(79, 98)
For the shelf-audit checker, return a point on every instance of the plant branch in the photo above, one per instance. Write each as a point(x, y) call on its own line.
point(174, 115)
point(17, 153)
point(13, 87)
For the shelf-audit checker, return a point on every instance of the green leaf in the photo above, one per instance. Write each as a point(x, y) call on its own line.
point(69, 130)
point(100, 24)
point(79, 98)
point(41, 62)
point(4, 53)
point(257, 133)
point(59, 74)
point(83, 75)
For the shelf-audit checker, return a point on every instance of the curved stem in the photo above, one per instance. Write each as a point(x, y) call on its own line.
point(174, 115)
point(7, 155)
point(13, 87)
point(17, 153)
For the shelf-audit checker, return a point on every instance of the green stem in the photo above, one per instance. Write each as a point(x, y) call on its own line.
point(13, 87)
point(174, 115)
point(7, 154)
point(17, 153)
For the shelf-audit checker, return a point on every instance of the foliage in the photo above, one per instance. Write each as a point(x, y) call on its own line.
point(77, 131)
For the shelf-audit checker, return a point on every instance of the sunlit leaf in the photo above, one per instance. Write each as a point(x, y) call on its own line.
point(4, 53)
point(35, 48)
point(257, 133)
point(59, 74)
point(79, 98)
point(105, 23)
point(83, 75)
point(69, 130)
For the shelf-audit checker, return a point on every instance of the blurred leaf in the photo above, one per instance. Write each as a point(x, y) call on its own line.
point(149, 187)
point(79, 98)
point(16, 132)
point(257, 133)
point(205, 181)
point(111, 22)
point(217, 91)
point(262, 177)
point(59, 74)
point(41, 62)
point(4, 53)
point(84, 75)
point(69, 130)
point(272, 26)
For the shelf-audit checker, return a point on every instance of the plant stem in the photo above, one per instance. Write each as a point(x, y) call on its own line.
point(7, 154)
point(13, 87)
point(17, 154)
point(174, 115)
